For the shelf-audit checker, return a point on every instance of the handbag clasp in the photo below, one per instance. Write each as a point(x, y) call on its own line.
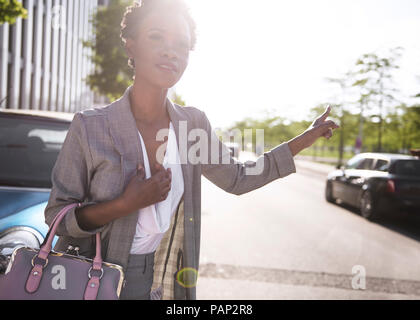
point(33, 263)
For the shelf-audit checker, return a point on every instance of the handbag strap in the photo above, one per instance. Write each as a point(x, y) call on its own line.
point(59, 214)
point(47, 244)
point(35, 275)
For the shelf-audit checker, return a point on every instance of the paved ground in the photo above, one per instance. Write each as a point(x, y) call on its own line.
point(284, 241)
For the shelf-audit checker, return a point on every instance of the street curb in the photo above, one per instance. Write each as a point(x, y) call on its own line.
point(313, 167)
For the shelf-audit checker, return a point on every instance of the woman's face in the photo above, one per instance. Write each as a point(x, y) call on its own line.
point(160, 49)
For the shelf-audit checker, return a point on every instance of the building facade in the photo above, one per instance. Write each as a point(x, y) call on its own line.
point(43, 63)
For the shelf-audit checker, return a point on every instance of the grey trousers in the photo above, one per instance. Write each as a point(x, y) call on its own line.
point(138, 277)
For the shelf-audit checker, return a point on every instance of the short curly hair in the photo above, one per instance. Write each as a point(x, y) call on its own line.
point(135, 14)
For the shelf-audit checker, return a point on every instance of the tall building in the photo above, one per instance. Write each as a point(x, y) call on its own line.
point(43, 62)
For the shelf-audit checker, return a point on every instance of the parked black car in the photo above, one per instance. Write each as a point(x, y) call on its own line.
point(377, 184)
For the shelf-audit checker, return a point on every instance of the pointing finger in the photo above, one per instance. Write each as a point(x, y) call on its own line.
point(325, 114)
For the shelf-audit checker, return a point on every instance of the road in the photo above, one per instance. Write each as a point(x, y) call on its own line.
point(284, 241)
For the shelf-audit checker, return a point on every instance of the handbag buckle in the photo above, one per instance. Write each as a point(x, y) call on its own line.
point(36, 256)
point(102, 273)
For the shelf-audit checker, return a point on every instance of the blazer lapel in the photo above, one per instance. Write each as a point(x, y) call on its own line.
point(182, 128)
point(124, 133)
point(123, 130)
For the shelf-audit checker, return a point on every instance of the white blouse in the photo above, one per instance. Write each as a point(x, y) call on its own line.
point(155, 219)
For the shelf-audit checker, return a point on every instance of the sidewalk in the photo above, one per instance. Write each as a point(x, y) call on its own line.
point(246, 282)
point(232, 289)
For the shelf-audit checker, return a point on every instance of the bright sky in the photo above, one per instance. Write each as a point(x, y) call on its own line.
point(253, 56)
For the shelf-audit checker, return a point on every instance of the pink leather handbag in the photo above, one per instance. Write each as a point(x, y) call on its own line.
point(47, 275)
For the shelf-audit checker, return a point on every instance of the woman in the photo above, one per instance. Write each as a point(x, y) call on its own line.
point(140, 191)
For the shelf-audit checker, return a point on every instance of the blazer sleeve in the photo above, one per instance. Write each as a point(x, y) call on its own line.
point(236, 177)
point(70, 180)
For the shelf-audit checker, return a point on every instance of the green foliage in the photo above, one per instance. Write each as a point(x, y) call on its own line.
point(176, 98)
point(276, 129)
point(401, 131)
point(373, 75)
point(10, 10)
point(112, 74)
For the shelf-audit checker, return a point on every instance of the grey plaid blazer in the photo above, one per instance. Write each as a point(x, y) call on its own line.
point(102, 151)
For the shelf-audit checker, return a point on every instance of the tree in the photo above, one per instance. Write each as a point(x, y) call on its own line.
point(403, 128)
point(340, 111)
point(112, 74)
point(411, 124)
point(10, 10)
point(275, 128)
point(375, 82)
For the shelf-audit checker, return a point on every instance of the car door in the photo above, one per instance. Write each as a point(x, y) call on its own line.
point(340, 184)
point(356, 178)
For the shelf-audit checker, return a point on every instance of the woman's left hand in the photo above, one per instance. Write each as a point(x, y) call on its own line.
point(321, 127)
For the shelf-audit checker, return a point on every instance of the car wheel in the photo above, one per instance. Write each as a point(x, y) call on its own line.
point(368, 207)
point(328, 192)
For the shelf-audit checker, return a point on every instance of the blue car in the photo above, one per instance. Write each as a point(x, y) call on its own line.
point(30, 142)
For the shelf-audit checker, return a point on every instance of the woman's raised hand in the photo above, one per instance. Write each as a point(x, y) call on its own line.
point(320, 127)
point(140, 192)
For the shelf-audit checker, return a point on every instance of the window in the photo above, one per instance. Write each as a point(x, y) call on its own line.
point(407, 167)
point(354, 162)
point(381, 165)
point(28, 150)
point(366, 164)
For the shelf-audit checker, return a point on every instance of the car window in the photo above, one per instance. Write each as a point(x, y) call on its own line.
point(52, 138)
point(381, 165)
point(366, 164)
point(407, 167)
point(354, 162)
point(29, 149)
